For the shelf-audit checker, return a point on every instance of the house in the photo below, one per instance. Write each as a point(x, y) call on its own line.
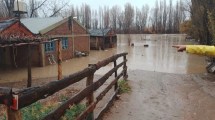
point(14, 56)
point(102, 38)
point(73, 36)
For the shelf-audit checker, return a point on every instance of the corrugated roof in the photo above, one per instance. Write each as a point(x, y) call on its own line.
point(35, 25)
point(98, 32)
point(6, 23)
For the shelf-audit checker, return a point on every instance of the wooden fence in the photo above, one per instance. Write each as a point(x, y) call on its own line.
point(25, 97)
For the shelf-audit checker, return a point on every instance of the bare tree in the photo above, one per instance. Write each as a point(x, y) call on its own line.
point(101, 18)
point(87, 14)
point(138, 19)
point(120, 21)
point(170, 21)
point(70, 11)
point(164, 19)
point(141, 18)
point(34, 5)
point(144, 18)
point(129, 17)
point(77, 13)
point(95, 19)
point(106, 17)
point(155, 17)
point(3, 9)
point(56, 7)
point(10, 7)
point(114, 12)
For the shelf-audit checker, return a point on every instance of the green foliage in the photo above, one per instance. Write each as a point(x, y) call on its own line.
point(3, 117)
point(74, 111)
point(35, 111)
point(124, 86)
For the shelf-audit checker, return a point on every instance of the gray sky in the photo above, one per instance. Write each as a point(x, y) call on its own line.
point(94, 4)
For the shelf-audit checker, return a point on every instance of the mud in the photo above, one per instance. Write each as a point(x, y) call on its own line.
point(165, 96)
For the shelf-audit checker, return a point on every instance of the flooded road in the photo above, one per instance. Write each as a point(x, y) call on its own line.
point(159, 56)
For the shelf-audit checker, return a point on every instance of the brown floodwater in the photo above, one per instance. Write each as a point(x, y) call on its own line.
point(159, 56)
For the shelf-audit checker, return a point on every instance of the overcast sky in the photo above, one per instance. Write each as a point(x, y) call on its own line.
point(94, 4)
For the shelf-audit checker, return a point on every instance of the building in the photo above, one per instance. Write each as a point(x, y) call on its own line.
point(14, 56)
point(102, 39)
point(73, 36)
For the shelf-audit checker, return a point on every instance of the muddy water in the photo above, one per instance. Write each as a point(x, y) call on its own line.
point(159, 56)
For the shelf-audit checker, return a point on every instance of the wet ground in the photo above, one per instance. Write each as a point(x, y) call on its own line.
point(166, 85)
point(165, 96)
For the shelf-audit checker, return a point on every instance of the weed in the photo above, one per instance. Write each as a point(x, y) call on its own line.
point(74, 111)
point(124, 86)
point(35, 111)
point(63, 98)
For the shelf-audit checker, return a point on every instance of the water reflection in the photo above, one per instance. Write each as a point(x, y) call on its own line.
point(159, 56)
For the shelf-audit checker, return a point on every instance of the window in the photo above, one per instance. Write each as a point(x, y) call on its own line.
point(65, 44)
point(50, 46)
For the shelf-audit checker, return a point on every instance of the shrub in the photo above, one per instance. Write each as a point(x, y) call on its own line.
point(124, 86)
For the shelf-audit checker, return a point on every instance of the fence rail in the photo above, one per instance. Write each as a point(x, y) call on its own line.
point(23, 98)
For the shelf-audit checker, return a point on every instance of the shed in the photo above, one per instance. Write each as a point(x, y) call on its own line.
point(15, 56)
point(102, 38)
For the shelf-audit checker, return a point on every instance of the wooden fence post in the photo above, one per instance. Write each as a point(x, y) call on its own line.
point(59, 60)
point(13, 115)
point(90, 98)
point(125, 76)
point(29, 67)
point(116, 85)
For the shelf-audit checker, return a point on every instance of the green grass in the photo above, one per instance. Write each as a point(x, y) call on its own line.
point(35, 111)
point(73, 112)
point(3, 117)
point(123, 86)
point(63, 98)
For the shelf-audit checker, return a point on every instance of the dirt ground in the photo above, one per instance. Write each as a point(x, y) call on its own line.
point(165, 96)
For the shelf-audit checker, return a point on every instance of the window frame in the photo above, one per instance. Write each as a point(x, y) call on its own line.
point(50, 46)
point(65, 43)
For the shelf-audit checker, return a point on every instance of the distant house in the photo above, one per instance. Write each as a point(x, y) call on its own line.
point(14, 55)
point(74, 37)
point(102, 38)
